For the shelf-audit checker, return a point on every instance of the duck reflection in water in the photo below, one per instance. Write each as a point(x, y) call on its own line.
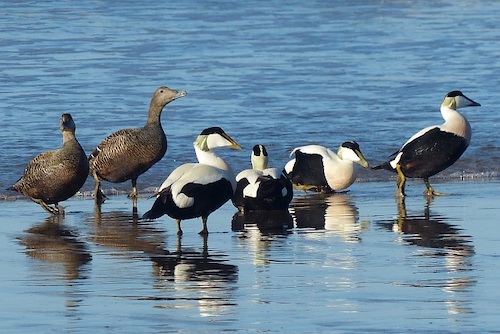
point(183, 274)
point(432, 231)
point(204, 278)
point(122, 230)
point(52, 242)
point(266, 221)
point(439, 239)
point(330, 212)
point(259, 229)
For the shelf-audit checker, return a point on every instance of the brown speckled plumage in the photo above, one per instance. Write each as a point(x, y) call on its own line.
point(54, 176)
point(128, 153)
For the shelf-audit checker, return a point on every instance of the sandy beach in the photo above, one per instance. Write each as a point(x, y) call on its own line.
point(348, 262)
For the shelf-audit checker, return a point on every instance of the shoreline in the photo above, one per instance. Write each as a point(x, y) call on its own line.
point(149, 192)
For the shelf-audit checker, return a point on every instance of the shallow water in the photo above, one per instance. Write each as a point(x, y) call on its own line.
point(281, 75)
point(355, 262)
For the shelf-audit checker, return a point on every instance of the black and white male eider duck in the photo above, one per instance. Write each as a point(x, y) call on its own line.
point(435, 148)
point(262, 188)
point(197, 189)
point(54, 176)
point(317, 168)
point(128, 153)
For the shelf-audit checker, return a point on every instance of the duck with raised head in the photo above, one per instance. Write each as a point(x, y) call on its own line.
point(128, 153)
point(434, 148)
point(54, 176)
point(317, 168)
point(197, 189)
point(262, 188)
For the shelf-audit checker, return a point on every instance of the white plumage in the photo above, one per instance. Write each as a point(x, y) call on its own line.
point(318, 168)
point(197, 189)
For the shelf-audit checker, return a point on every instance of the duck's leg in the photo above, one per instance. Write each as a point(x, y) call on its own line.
point(45, 206)
point(401, 181)
point(179, 230)
point(99, 196)
point(134, 194)
point(60, 209)
point(430, 191)
point(204, 231)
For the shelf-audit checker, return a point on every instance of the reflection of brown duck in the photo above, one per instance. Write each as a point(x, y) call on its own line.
point(124, 231)
point(51, 242)
point(267, 221)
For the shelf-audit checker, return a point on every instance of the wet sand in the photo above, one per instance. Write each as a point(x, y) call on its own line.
point(356, 262)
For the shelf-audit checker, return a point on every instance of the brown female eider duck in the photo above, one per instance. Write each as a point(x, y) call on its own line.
point(317, 168)
point(435, 148)
point(54, 176)
point(197, 189)
point(262, 188)
point(128, 153)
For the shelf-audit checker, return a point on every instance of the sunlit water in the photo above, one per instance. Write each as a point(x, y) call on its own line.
point(276, 73)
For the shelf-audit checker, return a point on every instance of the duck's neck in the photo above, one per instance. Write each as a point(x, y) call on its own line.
point(259, 164)
point(68, 136)
point(210, 158)
point(154, 114)
point(456, 123)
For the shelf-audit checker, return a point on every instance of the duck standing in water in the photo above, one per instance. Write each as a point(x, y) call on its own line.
point(54, 176)
point(128, 153)
point(262, 188)
point(317, 168)
point(197, 189)
point(435, 148)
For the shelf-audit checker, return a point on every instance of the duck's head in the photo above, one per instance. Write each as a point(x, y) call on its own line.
point(67, 123)
point(164, 95)
point(214, 137)
point(350, 151)
point(455, 99)
point(259, 157)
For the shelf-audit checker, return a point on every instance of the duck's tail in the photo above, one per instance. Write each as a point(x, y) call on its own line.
point(156, 210)
point(386, 165)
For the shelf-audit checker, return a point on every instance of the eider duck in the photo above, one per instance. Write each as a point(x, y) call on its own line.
point(435, 148)
point(197, 189)
point(128, 153)
point(54, 176)
point(262, 188)
point(319, 169)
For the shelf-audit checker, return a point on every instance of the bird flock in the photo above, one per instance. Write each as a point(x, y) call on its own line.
point(195, 190)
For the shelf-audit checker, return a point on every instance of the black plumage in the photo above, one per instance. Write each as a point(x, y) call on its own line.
point(262, 188)
point(317, 168)
point(435, 148)
point(309, 170)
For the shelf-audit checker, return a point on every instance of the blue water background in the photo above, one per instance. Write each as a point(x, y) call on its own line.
point(279, 73)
